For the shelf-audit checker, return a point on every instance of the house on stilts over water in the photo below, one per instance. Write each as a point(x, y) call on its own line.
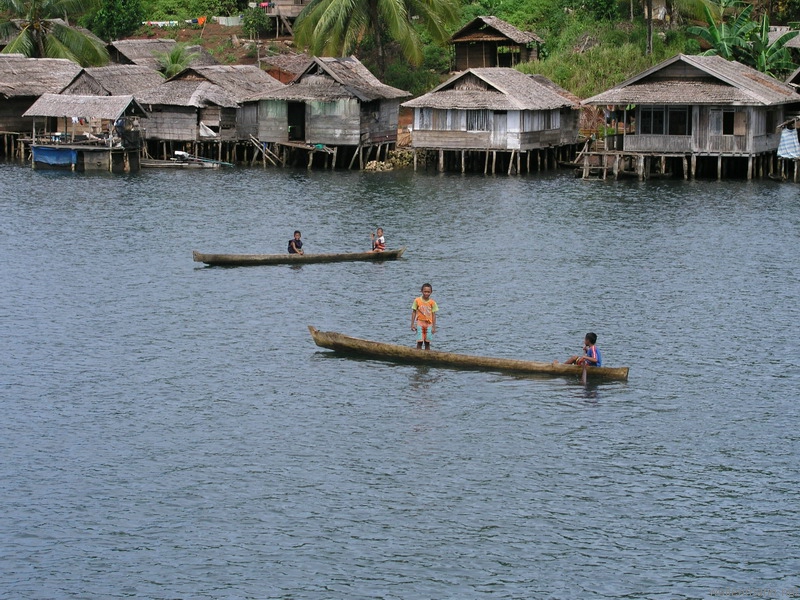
point(691, 116)
point(22, 81)
point(335, 113)
point(495, 120)
point(86, 133)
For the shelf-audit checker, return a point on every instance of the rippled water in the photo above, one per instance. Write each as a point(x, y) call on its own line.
point(170, 430)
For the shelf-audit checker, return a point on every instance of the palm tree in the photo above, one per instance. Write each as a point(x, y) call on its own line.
point(176, 60)
point(39, 30)
point(337, 27)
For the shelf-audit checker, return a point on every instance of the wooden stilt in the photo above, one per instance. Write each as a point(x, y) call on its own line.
point(415, 159)
point(719, 167)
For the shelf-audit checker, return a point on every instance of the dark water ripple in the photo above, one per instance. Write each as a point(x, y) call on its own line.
point(170, 430)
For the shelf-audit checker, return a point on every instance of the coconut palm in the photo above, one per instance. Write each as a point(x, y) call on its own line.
point(37, 29)
point(176, 60)
point(338, 27)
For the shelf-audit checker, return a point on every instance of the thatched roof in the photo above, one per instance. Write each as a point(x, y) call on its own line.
point(146, 52)
point(290, 63)
point(776, 32)
point(115, 80)
point(238, 81)
point(329, 79)
point(496, 88)
point(492, 29)
point(98, 107)
point(195, 93)
point(21, 76)
point(694, 80)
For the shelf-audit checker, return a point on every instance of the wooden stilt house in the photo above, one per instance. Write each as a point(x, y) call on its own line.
point(22, 81)
point(61, 138)
point(498, 112)
point(334, 104)
point(692, 116)
point(491, 42)
point(201, 105)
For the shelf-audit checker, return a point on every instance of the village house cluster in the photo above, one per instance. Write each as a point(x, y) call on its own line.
point(690, 116)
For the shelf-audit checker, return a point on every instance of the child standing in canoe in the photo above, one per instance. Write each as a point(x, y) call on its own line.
point(423, 316)
point(591, 353)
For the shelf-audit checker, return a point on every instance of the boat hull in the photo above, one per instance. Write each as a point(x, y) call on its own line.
point(252, 260)
point(396, 353)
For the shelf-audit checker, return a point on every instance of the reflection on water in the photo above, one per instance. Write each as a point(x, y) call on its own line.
point(169, 430)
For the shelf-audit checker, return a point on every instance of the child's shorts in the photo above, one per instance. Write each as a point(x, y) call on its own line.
point(424, 333)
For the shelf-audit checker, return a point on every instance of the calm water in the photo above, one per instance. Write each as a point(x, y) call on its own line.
point(170, 430)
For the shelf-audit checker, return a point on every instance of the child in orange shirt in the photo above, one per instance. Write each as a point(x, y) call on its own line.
point(423, 316)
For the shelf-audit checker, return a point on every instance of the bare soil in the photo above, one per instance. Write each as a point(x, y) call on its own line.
point(229, 45)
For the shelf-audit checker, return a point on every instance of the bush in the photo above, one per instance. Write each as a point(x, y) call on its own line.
point(256, 23)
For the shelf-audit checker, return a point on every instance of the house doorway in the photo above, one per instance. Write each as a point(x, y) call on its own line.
point(296, 117)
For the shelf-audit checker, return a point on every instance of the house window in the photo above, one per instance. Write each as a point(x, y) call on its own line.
point(728, 122)
point(478, 120)
point(680, 121)
point(651, 120)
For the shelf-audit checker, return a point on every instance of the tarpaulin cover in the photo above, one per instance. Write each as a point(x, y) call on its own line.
point(55, 156)
point(789, 146)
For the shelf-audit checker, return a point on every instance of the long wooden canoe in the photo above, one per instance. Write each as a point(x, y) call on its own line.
point(407, 354)
point(251, 260)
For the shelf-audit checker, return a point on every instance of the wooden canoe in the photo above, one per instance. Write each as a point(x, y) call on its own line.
point(407, 354)
point(251, 260)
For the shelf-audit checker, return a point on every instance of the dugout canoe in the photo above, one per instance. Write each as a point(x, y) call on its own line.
point(252, 260)
point(407, 354)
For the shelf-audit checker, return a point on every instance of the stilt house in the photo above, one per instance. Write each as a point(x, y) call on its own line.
point(494, 109)
point(201, 103)
point(333, 102)
point(23, 80)
point(691, 108)
point(491, 42)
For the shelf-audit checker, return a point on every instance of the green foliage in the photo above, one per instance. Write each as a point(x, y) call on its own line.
point(256, 23)
point(339, 27)
point(176, 60)
point(35, 28)
point(602, 66)
point(115, 19)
